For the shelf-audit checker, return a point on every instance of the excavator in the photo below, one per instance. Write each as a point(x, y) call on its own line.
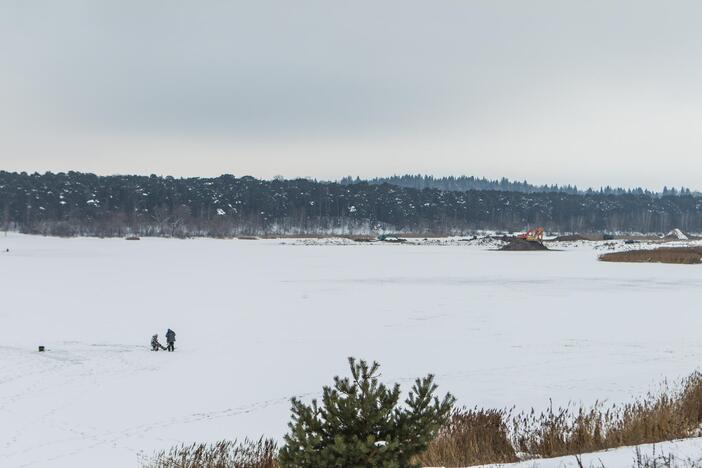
point(533, 235)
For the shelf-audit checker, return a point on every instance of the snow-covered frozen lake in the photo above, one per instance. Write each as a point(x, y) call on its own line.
point(260, 321)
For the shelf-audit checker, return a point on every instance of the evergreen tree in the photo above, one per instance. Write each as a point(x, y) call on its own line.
point(360, 423)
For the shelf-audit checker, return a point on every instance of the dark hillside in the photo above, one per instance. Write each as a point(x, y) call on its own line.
point(85, 204)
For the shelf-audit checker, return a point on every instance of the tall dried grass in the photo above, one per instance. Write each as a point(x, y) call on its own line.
point(481, 436)
point(223, 454)
point(472, 437)
point(677, 255)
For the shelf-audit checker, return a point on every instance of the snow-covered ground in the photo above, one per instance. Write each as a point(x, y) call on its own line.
point(686, 453)
point(260, 321)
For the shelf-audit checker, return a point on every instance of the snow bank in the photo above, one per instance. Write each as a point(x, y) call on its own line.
point(683, 453)
point(677, 234)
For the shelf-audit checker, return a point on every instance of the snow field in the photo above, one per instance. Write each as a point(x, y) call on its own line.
point(260, 321)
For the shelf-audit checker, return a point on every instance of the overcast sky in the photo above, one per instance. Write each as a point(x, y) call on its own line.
point(583, 92)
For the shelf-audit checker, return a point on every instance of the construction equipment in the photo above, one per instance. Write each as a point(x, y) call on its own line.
point(533, 235)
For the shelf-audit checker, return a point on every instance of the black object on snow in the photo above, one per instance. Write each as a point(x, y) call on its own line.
point(523, 245)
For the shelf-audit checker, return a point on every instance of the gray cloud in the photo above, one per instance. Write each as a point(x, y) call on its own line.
point(468, 82)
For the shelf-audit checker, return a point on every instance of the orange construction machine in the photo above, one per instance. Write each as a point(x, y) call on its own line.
point(533, 235)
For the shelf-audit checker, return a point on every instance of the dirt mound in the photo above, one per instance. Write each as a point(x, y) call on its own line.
point(515, 245)
point(678, 255)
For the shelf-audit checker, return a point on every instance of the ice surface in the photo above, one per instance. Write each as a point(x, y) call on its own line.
point(260, 321)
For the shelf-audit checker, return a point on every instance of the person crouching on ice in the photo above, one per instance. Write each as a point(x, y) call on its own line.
point(155, 345)
point(170, 340)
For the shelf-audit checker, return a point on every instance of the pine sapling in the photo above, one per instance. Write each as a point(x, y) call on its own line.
point(361, 423)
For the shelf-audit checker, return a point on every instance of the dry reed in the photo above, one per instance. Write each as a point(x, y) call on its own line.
point(480, 436)
point(223, 454)
point(677, 255)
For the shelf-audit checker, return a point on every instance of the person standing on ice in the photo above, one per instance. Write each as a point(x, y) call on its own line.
point(155, 345)
point(170, 339)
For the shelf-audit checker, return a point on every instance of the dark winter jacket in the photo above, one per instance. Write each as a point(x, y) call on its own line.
point(154, 342)
point(170, 336)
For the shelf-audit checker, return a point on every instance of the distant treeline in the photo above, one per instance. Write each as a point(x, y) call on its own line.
point(464, 183)
point(76, 203)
